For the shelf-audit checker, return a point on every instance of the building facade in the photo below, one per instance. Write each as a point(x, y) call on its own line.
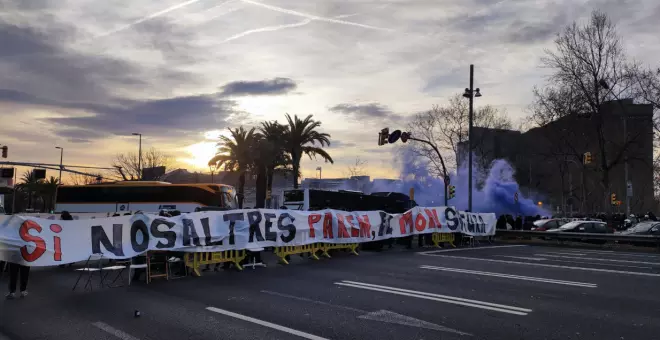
point(548, 160)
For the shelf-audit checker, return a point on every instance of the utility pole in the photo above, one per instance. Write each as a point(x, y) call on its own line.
point(139, 155)
point(61, 159)
point(471, 93)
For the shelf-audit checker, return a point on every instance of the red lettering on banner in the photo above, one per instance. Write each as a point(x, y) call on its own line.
point(327, 225)
point(365, 225)
point(406, 220)
point(311, 220)
point(56, 228)
point(420, 223)
point(434, 221)
point(40, 245)
point(343, 233)
point(355, 232)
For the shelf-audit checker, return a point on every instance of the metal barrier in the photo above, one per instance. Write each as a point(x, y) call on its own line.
point(646, 239)
point(334, 246)
point(283, 252)
point(438, 238)
point(194, 260)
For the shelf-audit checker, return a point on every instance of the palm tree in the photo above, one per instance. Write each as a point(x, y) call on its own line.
point(301, 139)
point(236, 154)
point(47, 189)
point(30, 185)
point(274, 150)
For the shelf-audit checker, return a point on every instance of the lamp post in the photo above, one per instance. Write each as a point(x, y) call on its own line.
point(319, 169)
point(61, 158)
point(212, 167)
point(470, 93)
point(139, 154)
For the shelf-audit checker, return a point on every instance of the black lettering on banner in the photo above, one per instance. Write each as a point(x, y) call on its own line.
point(139, 225)
point(288, 227)
point(482, 224)
point(385, 224)
point(270, 235)
point(254, 218)
point(232, 218)
point(168, 235)
point(470, 222)
point(452, 219)
point(207, 232)
point(189, 233)
point(100, 237)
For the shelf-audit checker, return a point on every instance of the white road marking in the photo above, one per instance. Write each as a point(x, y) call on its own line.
point(515, 277)
point(111, 330)
point(437, 297)
point(619, 253)
point(395, 318)
point(591, 263)
point(569, 253)
point(313, 301)
point(463, 249)
point(553, 266)
point(522, 258)
point(265, 324)
point(597, 259)
point(381, 315)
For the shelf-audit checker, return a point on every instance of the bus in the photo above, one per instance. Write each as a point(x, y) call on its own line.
point(144, 196)
point(311, 199)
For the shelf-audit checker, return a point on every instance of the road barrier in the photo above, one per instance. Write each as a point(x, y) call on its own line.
point(438, 238)
point(195, 260)
point(283, 252)
point(582, 237)
point(352, 247)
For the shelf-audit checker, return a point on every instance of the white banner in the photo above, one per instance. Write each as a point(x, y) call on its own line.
point(43, 242)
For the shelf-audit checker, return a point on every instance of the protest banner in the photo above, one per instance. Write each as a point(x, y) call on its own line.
point(43, 242)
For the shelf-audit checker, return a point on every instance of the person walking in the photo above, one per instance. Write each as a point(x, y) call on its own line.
point(17, 271)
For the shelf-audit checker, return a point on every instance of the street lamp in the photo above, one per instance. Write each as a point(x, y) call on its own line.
point(470, 93)
point(320, 171)
point(61, 158)
point(139, 154)
point(212, 167)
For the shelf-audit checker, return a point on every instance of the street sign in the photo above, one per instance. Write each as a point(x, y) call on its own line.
point(394, 136)
point(629, 189)
point(515, 197)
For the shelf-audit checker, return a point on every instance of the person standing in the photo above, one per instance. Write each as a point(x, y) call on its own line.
point(17, 271)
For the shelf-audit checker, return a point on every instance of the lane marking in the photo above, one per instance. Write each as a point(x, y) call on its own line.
point(569, 253)
point(437, 297)
point(265, 324)
point(553, 266)
point(597, 259)
point(522, 258)
point(463, 249)
point(572, 261)
point(510, 276)
point(313, 301)
point(380, 315)
point(111, 330)
point(619, 253)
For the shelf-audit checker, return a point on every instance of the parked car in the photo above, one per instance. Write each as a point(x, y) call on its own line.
point(543, 225)
point(643, 228)
point(591, 227)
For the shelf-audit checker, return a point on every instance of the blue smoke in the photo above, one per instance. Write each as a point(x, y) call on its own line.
point(495, 195)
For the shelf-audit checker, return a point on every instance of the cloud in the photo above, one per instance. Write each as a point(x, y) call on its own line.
point(269, 87)
point(364, 111)
point(338, 144)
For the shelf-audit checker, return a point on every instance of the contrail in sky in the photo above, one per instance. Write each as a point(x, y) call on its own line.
point(313, 17)
point(148, 17)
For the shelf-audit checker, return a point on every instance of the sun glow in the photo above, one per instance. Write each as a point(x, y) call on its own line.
point(200, 154)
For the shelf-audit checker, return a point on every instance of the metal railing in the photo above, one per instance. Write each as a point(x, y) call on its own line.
point(648, 239)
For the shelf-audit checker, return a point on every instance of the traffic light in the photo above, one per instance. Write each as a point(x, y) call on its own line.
point(586, 158)
point(452, 191)
point(383, 135)
point(4, 151)
point(39, 174)
point(613, 199)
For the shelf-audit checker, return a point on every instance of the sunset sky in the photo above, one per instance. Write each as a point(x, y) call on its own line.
point(85, 74)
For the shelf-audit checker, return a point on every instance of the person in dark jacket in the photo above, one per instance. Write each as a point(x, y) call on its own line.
point(519, 223)
point(66, 216)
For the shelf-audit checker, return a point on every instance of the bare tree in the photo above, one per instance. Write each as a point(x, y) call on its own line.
point(358, 168)
point(130, 165)
point(447, 127)
point(590, 68)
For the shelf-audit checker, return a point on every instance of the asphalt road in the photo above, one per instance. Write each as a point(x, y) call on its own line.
point(490, 292)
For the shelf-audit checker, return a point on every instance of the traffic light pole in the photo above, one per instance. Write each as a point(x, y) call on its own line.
point(442, 162)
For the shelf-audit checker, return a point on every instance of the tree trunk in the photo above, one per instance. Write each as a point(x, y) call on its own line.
point(270, 172)
point(296, 168)
point(241, 189)
point(261, 187)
